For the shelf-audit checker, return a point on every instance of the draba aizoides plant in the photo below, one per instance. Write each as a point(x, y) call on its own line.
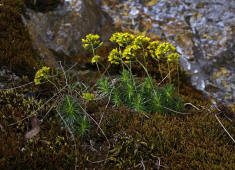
point(91, 43)
point(68, 106)
point(129, 90)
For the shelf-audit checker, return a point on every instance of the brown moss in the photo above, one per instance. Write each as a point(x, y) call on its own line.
point(179, 141)
point(47, 149)
point(194, 141)
point(16, 50)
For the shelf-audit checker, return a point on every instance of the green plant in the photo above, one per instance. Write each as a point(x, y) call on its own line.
point(91, 43)
point(72, 115)
point(83, 125)
point(127, 90)
point(141, 96)
point(72, 99)
point(104, 86)
point(68, 105)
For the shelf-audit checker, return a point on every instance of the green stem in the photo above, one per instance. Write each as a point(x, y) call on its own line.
point(144, 56)
point(97, 67)
point(169, 70)
point(52, 83)
point(132, 78)
point(159, 67)
point(178, 78)
point(145, 69)
point(130, 67)
point(93, 51)
point(119, 49)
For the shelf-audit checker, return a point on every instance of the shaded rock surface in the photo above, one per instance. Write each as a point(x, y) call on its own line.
point(58, 33)
point(43, 5)
point(202, 31)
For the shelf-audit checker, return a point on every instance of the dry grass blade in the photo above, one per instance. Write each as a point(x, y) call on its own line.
point(176, 111)
point(224, 128)
point(106, 158)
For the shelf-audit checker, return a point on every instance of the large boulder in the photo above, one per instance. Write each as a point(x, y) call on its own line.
point(203, 32)
point(57, 34)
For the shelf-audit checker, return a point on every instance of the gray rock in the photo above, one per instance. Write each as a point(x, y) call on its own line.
point(58, 33)
point(203, 32)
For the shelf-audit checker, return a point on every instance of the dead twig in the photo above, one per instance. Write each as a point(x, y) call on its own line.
point(142, 163)
point(165, 77)
point(224, 128)
point(70, 131)
point(106, 158)
point(177, 111)
point(191, 105)
point(221, 124)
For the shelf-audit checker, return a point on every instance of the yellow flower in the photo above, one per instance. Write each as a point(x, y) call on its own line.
point(130, 52)
point(141, 41)
point(95, 59)
point(88, 96)
point(152, 47)
point(122, 39)
point(163, 49)
point(114, 56)
point(40, 74)
point(173, 57)
point(91, 42)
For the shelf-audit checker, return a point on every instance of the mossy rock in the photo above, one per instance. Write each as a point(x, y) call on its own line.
point(16, 50)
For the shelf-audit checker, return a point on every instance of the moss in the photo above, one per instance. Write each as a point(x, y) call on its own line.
point(16, 49)
point(194, 141)
point(179, 141)
point(49, 145)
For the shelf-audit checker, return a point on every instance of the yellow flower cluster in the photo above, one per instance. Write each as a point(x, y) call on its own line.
point(152, 47)
point(130, 52)
point(141, 41)
point(130, 48)
point(91, 42)
point(163, 49)
point(173, 57)
point(95, 59)
point(42, 73)
point(88, 96)
point(114, 56)
point(122, 39)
